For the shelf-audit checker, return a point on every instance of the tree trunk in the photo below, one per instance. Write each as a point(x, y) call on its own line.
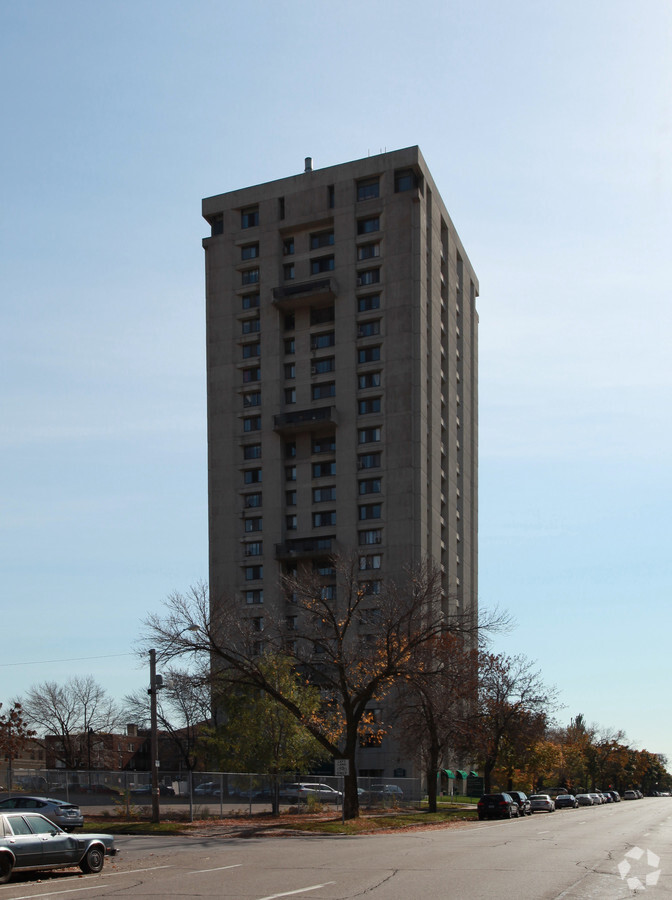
point(431, 774)
point(350, 796)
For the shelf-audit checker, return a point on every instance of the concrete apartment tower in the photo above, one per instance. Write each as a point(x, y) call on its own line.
point(342, 386)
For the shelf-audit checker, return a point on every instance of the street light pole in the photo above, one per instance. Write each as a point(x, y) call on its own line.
point(154, 739)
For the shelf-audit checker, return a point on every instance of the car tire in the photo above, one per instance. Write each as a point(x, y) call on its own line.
point(6, 866)
point(93, 860)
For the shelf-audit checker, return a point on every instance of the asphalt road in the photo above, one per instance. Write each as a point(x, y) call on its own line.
point(567, 855)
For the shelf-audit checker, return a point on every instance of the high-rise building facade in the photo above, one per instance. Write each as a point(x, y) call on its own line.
point(342, 385)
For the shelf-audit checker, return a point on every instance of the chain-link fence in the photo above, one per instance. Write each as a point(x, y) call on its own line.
point(219, 791)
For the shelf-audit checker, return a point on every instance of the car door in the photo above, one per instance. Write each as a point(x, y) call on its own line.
point(58, 848)
point(24, 843)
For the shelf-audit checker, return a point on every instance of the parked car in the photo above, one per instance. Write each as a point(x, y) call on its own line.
point(207, 789)
point(585, 800)
point(597, 800)
point(67, 816)
point(542, 803)
point(145, 790)
point(616, 796)
point(305, 789)
point(566, 801)
point(383, 793)
point(630, 795)
point(497, 806)
point(606, 796)
point(523, 801)
point(28, 841)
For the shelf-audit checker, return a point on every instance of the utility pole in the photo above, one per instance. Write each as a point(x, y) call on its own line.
point(154, 739)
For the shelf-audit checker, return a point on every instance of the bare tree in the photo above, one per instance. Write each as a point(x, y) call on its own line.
point(183, 708)
point(72, 712)
point(354, 647)
point(436, 705)
point(510, 693)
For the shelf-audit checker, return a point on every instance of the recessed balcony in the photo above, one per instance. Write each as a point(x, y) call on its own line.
point(294, 295)
point(311, 419)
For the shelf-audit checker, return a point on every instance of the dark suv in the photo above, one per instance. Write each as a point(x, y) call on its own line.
point(497, 806)
point(524, 805)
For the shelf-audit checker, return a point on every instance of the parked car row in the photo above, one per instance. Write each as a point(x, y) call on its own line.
point(512, 804)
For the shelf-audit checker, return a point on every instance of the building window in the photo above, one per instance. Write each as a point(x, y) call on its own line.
point(321, 239)
point(249, 217)
point(290, 322)
point(322, 470)
point(290, 523)
point(250, 301)
point(370, 486)
point(331, 197)
point(290, 395)
point(290, 370)
point(252, 476)
point(368, 302)
point(370, 511)
point(370, 380)
point(216, 227)
point(370, 588)
point(368, 276)
point(321, 314)
point(252, 501)
point(368, 188)
point(328, 592)
point(251, 375)
point(372, 536)
point(288, 246)
point(254, 573)
point(321, 264)
point(369, 461)
point(290, 498)
point(320, 341)
point(253, 524)
point(323, 366)
point(255, 596)
point(368, 435)
point(368, 329)
point(290, 346)
point(324, 444)
point(290, 622)
point(252, 451)
point(404, 180)
point(251, 350)
point(250, 276)
point(249, 251)
point(290, 473)
point(252, 423)
point(257, 623)
point(324, 391)
point(288, 271)
point(326, 569)
point(290, 450)
point(255, 548)
point(368, 354)
point(368, 225)
point(253, 399)
point(249, 326)
point(368, 251)
point(369, 406)
point(322, 519)
point(369, 562)
point(322, 495)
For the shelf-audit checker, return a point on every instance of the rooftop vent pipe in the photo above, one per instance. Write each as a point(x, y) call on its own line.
point(309, 164)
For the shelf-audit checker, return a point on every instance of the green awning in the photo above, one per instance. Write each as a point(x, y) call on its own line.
point(475, 774)
point(461, 773)
point(449, 773)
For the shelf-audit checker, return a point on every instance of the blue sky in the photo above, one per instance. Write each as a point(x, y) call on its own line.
point(548, 129)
